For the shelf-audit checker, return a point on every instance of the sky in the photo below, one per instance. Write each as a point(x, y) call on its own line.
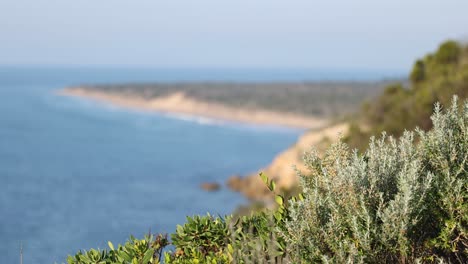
point(332, 34)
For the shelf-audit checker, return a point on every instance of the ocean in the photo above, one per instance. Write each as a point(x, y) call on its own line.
point(75, 174)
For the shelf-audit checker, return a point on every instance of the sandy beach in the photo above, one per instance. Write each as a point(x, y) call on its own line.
point(179, 103)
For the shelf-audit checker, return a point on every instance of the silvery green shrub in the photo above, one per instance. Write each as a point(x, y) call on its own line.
point(402, 201)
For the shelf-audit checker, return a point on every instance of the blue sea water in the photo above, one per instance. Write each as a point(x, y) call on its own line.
point(75, 174)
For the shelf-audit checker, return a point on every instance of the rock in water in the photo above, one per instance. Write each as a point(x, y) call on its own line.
point(235, 183)
point(210, 186)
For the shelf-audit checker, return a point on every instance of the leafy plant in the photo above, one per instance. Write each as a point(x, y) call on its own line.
point(199, 238)
point(134, 251)
point(254, 237)
point(434, 78)
point(399, 202)
point(206, 239)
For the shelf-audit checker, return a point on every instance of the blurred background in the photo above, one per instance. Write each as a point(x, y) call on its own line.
point(123, 117)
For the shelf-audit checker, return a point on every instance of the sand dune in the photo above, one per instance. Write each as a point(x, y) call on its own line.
point(283, 168)
point(179, 102)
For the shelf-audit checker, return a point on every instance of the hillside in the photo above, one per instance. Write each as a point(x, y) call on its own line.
point(435, 78)
point(325, 100)
point(283, 169)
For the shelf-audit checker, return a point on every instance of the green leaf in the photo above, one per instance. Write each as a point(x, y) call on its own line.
point(148, 256)
point(301, 197)
point(180, 230)
point(264, 178)
point(279, 200)
point(278, 216)
point(279, 246)
point(272, 186)
point(110, 245)
point(125, 256)
point(85, 258)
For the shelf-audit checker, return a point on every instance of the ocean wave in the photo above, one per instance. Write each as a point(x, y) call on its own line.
point(201, 120)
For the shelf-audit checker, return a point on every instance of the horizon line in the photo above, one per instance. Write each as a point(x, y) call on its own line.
point(195, 68)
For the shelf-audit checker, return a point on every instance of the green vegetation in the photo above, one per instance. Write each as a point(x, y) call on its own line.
point(402, 201)
point(435, 78)
point(205, 239)
point(326, 99)
point(399, 202)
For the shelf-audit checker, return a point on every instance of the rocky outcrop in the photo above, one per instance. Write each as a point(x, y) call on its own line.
point(210, 186)
point(283, 168)
point(235, 183)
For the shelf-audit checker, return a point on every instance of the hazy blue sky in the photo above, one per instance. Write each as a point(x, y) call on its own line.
point(239, 33)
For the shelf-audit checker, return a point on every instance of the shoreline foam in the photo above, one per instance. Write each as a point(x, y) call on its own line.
point(179, 103)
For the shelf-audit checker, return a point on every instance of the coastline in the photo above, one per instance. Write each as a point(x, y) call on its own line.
point(179, 103)
point(284, 167)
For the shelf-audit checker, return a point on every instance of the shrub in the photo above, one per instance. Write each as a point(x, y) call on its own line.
point(399, 202)
point(201, 238)
point(435, 78)
point(448, 52)
point(255, 237)
point(418, 72)
point(148, 250)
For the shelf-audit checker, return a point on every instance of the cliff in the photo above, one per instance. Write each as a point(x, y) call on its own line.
point(283, 168)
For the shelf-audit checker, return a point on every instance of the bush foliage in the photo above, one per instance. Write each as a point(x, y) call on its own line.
point(402, 201)
point(435, 78)
point(399, 202)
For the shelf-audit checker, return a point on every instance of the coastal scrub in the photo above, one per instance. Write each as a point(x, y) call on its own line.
point(402, 201)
